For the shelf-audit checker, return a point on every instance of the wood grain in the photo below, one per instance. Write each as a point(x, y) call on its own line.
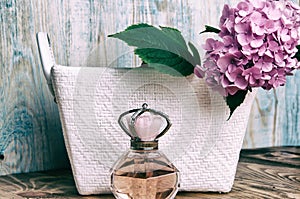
point(29, 122)
point(30, 130)
point(261, 173)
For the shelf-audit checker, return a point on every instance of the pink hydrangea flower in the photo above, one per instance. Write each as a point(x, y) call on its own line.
point(257, 46)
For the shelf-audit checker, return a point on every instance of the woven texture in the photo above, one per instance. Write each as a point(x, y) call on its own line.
point(201, 143)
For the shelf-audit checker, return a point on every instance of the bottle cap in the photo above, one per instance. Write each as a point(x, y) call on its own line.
point(144, 126)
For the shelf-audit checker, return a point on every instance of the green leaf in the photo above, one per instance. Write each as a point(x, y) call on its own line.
point(175, 35)
point(165, 61)
point(161, 44)
point(195, 53)
point(233, 101)
point(134, 26)
point(297, 55)
point(210, 29)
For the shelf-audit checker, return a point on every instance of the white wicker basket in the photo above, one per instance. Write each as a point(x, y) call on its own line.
point(201, 143)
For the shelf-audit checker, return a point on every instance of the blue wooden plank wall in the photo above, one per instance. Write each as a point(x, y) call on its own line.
point(30, 130)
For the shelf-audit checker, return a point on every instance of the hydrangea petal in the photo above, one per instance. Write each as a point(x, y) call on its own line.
point(241, 83)
point(199, 71)
point(243, 39)
point(274, 14)
point(278, 57)
point(224, 61)
point(294, 34)
point(256, 43)
point(232, 89)
point(262, 50)
point(209, 44)
point(244, 8)
point(270, 27)
point(269, 54)
point(257, 18)
point(267, 67)
point(241, 28)
point(228, 40)
point(258, 4)
point(224, 81)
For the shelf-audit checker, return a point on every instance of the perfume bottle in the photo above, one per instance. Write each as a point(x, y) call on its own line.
point(144, 172)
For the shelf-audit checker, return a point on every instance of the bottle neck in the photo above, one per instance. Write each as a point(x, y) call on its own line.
point(144, 145)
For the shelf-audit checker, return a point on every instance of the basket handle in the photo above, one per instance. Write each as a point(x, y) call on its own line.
point(46, 56)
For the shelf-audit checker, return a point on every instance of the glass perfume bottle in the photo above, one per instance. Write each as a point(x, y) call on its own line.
point(144, 172)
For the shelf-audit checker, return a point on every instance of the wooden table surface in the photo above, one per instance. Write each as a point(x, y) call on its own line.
point(262, 173)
